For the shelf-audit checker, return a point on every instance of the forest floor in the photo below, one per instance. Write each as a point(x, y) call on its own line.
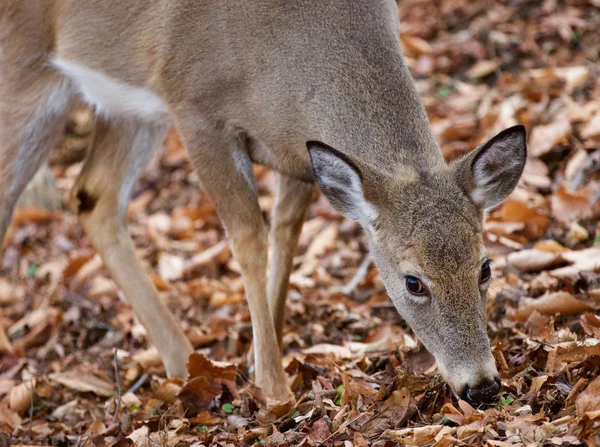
point(76, 367)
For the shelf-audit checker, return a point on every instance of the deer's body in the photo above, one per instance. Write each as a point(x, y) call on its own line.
point(259, 82)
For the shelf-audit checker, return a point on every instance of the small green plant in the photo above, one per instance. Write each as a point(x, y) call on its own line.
point(338, 396)
point(507, 401)
point(295, 414)
point(444, 91)
point(31, 270)
point(228, 408)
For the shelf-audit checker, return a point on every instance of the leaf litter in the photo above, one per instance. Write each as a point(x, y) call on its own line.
point(76, 367)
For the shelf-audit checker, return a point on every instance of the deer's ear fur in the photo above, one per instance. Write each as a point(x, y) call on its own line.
point(491, 172)
point(341, 182)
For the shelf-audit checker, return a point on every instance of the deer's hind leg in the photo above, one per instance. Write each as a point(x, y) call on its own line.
point(31, 120)
point(34, 102)
point(121, 151)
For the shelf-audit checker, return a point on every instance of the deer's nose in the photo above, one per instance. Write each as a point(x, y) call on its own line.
point(484, 393)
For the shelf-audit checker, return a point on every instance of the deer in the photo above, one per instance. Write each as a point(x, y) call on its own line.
point(320, 93)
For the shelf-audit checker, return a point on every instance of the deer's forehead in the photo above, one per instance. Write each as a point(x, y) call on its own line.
point(446, 248)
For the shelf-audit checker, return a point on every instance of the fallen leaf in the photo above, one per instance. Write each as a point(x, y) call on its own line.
point(170, 267)
point(569, 352)
point(320, 431)
point(591, 324)
point(592, 127)
point(544, 138)
point(587, 260)
point(566, 206)
point(589, 399)
point(562, 303)
point(84, 381)
point(140, 437)
point(205, 382)
point(21, 397)
point(483, 68)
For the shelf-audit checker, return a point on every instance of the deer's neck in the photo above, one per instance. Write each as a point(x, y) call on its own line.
point(376, 115)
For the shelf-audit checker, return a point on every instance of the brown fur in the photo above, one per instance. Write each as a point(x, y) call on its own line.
point(254, 82)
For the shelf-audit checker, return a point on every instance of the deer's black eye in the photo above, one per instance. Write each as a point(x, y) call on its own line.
point(415, 286)
point(486, 272)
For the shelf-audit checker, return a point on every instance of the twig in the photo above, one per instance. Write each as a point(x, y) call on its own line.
point(138, 384)
point(118, 387)
point(84, 439)
point(542, 343)
point(343, 426)
point(30, 435)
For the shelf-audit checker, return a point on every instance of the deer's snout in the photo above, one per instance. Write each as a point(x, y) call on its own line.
point(484, 393)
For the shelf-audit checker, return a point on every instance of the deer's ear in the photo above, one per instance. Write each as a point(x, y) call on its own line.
point(491, 172)
point(341, 182)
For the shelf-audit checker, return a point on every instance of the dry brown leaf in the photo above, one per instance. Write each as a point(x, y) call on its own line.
point(575, 77)
point(86, 271)
point(591, 324)
point(396, 406)
point(359, 440)
point(170, 267)
point(576, 234)
point(84, 381)
point(544, 138)
point(589, 399)
point(414, 436)
point(533, 260)
point(414, 45)
point(592, 127)
point(148, 358)
point(567, 207)
point(161, 284)
point(32, 215)
point(95, 428)
point(587, 260)
point(483, 68)
point(9, 293)
point(21, 397)
point(75, 264)
point(8, 418)
point(206, 256)
point(569, 352)
point(516, 211)
point(320, 431)
point(168, 390)
point(562, 303)
point(205, 382)
point(6, 385)
point(140, 437)
point(329, 350)
point(323, 242)
point(5, 344)
point(35, 328)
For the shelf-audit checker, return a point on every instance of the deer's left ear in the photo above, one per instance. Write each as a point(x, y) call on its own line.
point(491, 172)
point(341, 182)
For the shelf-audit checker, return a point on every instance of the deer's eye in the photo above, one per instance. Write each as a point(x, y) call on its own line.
point(415, 286)
point(486, 272)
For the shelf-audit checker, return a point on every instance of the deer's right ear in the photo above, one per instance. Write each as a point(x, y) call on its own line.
point(341, 182)
point(491, 172)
